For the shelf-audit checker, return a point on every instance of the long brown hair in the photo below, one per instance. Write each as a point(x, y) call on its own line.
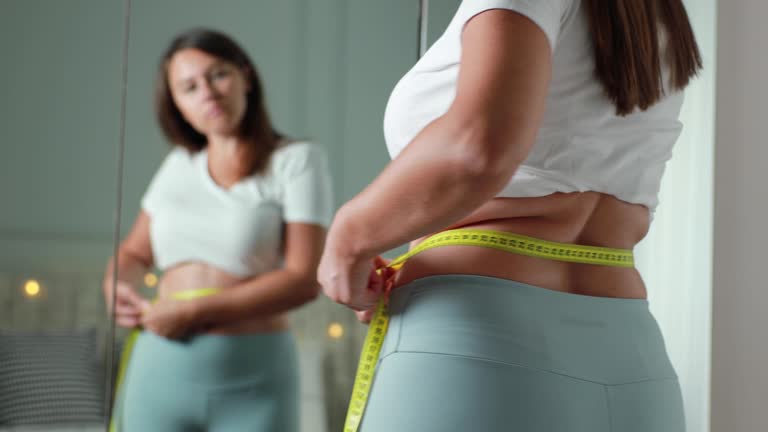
point(255, 128)
point(627, 51)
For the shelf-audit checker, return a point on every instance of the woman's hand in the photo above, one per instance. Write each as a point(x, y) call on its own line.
point(387, 274)
point(365, 316)
point(172, 319)
point(352, 281)
point(129, 305)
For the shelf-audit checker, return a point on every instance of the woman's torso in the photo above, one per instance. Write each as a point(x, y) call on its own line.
point(591, 178)
point(193, 275)
point(207, 235)
point(581, 144)
point(588, 218)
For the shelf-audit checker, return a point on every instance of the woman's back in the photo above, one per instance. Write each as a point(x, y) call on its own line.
point(592, 176)
point(582, 144)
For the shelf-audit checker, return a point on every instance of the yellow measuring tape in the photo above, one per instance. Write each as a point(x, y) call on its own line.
point(504, 241)
point(125, 356)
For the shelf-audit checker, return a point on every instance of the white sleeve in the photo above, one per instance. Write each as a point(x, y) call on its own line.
point(547, 14)
point(154, 196)
point(307, 196)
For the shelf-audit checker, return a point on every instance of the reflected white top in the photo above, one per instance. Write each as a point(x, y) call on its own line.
point(582, 144)
point(239, 229)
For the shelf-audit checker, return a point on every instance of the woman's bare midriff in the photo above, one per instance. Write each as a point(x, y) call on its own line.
point(587, 218)
point(194, 275)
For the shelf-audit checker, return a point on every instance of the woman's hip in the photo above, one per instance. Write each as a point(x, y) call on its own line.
point(605, 340)
point(212, 359)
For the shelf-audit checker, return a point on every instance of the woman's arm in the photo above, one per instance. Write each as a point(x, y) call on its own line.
point(134, 258)
point(272, 292)
point(458, 162)
point(462, 159)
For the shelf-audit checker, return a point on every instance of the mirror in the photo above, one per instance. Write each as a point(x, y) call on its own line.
point(60, 132)
point(327, 69)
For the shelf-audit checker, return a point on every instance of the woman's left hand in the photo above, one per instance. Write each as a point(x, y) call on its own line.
point(353, 282)
point(172, 319)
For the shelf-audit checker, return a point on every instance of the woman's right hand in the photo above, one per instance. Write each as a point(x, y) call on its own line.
point(129, 305)
point(131, 263)
point(381, 275)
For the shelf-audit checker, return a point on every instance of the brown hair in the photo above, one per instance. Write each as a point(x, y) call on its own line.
point(255, 127)
point(628, 57)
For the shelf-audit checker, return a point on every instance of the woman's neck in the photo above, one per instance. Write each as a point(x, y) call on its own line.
point(227, 160)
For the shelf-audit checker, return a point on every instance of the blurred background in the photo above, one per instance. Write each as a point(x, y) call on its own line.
point(328, 67)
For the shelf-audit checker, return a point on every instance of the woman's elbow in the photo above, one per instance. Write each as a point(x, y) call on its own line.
point(307, 289)
point(487, 149)
point(490, 164)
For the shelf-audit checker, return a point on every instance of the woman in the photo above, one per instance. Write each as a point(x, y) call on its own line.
point(551, 119)
point(235, 210)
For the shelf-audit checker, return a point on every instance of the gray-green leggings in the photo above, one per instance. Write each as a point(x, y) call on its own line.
point(212, 383)
point(479, 354)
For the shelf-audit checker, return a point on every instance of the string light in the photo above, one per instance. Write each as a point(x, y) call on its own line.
point(150, 280)
point(32, 288)
point(335, 331)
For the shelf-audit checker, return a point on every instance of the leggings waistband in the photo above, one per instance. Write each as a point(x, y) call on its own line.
point(604, 340)
point(214, 358)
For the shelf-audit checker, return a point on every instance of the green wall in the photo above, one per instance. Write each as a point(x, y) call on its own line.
point(328, 67)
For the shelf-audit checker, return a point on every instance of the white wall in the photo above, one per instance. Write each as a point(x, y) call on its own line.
point(740, 301)
point(676, 257)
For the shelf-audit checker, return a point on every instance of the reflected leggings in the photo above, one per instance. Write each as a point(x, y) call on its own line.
point(479, 354)
point(215, 383)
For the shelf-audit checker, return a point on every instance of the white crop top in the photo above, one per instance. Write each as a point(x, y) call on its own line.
point(582, 144)
point(239, 229)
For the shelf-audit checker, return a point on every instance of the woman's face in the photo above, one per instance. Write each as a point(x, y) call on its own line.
point(209, 92)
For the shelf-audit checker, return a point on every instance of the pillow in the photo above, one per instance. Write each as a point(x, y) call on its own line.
point(50, 377)
point(53, 428)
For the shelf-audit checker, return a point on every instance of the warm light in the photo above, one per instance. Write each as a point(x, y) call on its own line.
point(32, 288)
point(335, 331)
point(150, 280)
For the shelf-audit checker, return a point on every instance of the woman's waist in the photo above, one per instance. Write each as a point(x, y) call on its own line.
point(584, 219)
point(255, 325)
point(195, 274)
point(589, 218)
point(189, 278)
point(210, 358)
point(582, 279)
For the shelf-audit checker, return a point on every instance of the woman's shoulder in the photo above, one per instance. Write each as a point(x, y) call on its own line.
point(177, 161)
point(296, 151)
point(179, 156)
point(295, 156)
point(296, 148)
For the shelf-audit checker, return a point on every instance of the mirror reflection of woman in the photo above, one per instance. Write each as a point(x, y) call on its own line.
point(239, 212)
point(550, 119)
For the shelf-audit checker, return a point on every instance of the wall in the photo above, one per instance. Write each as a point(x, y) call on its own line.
point(59, 131)
point(676, 257)
point(739, 345)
